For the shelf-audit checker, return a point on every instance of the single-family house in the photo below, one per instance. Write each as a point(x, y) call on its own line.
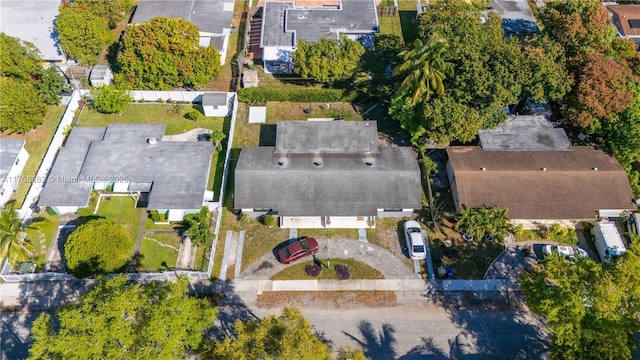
point(540, 187)
point(131, 159)
point(284, 24)
point(626, 18)
point(13, 158)
point(216, 103)
point(33, 21)
point(212, 17)
point(327, 174)
point(101, 75)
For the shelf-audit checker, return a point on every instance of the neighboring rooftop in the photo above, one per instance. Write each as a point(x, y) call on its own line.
point(524, 133)
point(9, 150)
point(626, 18)
point(283, 24)
point(541, 184)
point(32, 21)
point(210, 16)
point(175, 172)
point(327, 137)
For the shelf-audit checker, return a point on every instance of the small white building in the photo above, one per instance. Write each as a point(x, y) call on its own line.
point(216, 103)
point(101, 75)
point(13, 157)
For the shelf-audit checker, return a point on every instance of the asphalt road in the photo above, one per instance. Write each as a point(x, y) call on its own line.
point(428, 331)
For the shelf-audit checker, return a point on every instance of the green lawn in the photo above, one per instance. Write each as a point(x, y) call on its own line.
point(359, 270)
point(169, 114)
point(154, 254)
point(41, 232)
point(122, 210)
point(37, 143)
point(402, 24)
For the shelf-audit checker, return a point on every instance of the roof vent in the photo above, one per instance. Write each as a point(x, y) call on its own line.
point(483, 168)
point(282, 162)
point(594, 169)
point(543, 169)
point(152, 141)
point(317, 162)
point(369, 163)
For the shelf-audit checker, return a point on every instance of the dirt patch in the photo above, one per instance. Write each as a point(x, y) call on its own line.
point(327, 300)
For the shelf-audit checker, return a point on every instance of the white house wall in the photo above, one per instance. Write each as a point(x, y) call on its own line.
point(13, 179)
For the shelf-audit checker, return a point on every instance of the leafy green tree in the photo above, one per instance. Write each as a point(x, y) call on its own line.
point(118, 320)
point(109, 100)
point(98, 247)
point(12, 244)
point(163, 54)
point(288, 336)
point(327, 60)
point(591, 308)
point(50, 85)
point(547, 77)
point(424, 69)
point(112, 10)
point(483, 222)
point(83, 33)
point(18, 59)
point(216, 138)
point(21, 108)
point(198, 226)
point(488, 74)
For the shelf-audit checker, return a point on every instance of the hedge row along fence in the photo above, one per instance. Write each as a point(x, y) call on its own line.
point(260, 95)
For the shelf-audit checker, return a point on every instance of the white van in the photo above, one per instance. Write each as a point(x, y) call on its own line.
point(608, 240)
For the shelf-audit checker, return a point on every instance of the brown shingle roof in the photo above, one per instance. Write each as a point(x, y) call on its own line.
point(569, 188)
point(622, 14)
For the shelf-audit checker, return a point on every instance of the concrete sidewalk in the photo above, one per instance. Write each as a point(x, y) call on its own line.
point(260, 286)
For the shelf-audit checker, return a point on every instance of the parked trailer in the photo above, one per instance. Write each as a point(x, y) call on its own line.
point(608, 240)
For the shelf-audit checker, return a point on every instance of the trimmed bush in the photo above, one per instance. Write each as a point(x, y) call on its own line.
point(98, 247)
point(260, 95)
point(270, 220)
point(193, 115)
point(158, 216)
point(343, 272)
point(313, 270)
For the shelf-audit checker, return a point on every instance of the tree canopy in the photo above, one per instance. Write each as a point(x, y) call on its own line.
point(84, 27)
point(97, 247)
point(25, 86)
point(288, 336)
point(117, 320)
point(108, 99)
point(12, 244)
point(163, 54)
point(327, 60)
point(592, 309)
point(198, 226)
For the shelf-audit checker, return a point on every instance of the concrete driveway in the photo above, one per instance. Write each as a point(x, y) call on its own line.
point(516, 15)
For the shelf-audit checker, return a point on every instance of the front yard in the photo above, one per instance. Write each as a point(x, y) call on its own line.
point(159, 251)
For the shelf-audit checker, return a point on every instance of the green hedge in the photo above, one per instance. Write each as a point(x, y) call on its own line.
point(260, 95)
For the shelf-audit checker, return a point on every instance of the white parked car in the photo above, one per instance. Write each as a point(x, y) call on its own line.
point(566, 251)
point(415, 240)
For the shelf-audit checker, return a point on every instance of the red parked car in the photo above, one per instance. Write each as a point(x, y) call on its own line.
point(296, 250)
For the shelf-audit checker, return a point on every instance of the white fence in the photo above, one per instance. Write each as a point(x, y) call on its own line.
point(166, 96)
point(47, 162)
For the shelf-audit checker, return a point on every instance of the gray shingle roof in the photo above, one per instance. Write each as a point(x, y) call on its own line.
point(9, 150)
point(284, 25)
point(32, 21)
point(211, 16)
point(569, 188)
point(340, 186)
point(214, 99)
point(178, 171)
point(326, 137)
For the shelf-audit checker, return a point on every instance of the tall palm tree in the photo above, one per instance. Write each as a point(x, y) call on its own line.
point(12, 244)
point(425, 69)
